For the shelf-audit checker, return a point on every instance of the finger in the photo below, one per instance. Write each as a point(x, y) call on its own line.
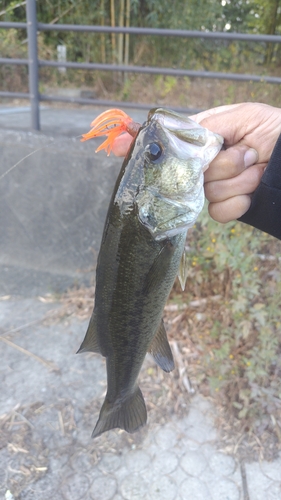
point(230, 209)
point(230, 163)
point(121, 144)
point(245, 183)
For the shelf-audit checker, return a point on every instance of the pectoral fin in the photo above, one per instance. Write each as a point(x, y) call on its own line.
point(90, 342)
point(161, 351)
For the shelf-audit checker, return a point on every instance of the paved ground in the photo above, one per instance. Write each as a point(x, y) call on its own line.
point(50, 399)
point(48, 408)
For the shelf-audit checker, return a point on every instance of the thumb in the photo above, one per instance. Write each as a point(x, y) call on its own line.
point(231, 162)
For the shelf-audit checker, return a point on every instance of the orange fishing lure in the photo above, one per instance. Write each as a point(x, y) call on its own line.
point(111, 123)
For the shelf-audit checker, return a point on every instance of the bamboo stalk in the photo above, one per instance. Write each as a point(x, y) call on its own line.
point(121, 37)
point(113, 38)
point(103, 57)
point(12, 7)
point(271, 28)
point(127, 36)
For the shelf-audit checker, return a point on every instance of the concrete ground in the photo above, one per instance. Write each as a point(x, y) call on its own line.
point(49, 402)
point(50, 397)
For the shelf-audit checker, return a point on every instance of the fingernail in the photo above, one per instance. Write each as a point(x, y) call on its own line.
point(250, 158)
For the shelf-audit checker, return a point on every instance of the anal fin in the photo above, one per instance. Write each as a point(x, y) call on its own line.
point(161, 350)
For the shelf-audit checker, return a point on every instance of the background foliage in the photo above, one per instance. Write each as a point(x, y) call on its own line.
point(247, 16)
point(228, 325)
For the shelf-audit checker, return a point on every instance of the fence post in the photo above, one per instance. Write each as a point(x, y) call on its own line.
point(33, 63)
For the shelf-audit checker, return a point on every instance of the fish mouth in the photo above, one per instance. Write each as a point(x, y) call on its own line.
point(186, 137)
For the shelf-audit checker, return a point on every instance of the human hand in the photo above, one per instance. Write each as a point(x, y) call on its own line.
point(250, 131)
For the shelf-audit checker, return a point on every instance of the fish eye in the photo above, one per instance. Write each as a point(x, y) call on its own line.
point(153, 151)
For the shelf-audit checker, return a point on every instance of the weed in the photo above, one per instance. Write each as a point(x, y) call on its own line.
point(240, 338)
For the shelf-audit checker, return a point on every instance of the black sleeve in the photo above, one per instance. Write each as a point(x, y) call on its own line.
point(265, 210)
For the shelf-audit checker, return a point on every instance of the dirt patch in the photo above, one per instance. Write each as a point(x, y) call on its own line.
point(22, 449)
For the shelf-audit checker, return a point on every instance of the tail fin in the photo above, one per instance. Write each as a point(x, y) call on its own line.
point(129, 414)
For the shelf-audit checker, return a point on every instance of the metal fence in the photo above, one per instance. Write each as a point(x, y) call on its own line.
point(33, 63)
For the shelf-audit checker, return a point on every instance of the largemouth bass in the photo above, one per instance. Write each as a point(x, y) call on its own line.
point(157, 197)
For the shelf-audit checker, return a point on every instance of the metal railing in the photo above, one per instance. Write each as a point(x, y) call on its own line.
point(33, 63)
